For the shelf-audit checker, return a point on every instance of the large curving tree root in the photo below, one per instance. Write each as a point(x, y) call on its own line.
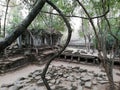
point(57, 54)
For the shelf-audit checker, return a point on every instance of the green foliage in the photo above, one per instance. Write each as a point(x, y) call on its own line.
point(47, 20)
point(95, 43)
point(110, 40)
point(81, 34)
point(67, 7)
point(15, 17)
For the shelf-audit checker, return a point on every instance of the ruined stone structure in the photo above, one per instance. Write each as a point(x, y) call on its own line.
point(41, 37)
point(18, 58)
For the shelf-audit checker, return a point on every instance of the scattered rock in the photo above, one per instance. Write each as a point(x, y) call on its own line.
point(60, 88)
point(101, 74)
point(83, 70)
point(95, 74)
point(60, 74)
point(37, 72)
point(58, 81)
point(91, 73)
point(52, 81)
point(74, 84)
point(74, 88)
point(80, 87)
point(84, 52)
point(38, 77)
point(33, 88)
point(48, 77)
point(82, 83)
point(99, 78)
point(70, 78)
point(30, 75)
point(40, 82)
point(28, 80)
point(94, 82)
point(76, 68)
point(83, 74)
point(94, 88)
point(77, 78)
point(7, 85)
point(26, 87)
point(4, 88)
point(118, 74)
point(53, 87)
point(86, 78)
point(103, 82)
point(14, 88)
point(21, 78)
point(65, 75)
point(88, 84)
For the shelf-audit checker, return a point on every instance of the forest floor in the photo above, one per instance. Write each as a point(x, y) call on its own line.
point(68, 75)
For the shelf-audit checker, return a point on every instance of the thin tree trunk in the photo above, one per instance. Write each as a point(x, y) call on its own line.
point(23, 25)
point(109, 62)
point(57, 54)
point(4, 31)
point(84, 35)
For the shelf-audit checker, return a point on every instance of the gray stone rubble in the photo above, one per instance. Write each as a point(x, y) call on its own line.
point(59, 78)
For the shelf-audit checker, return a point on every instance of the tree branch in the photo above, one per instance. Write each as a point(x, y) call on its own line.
point(90, 20)
point(77, 16)
point(44, 21)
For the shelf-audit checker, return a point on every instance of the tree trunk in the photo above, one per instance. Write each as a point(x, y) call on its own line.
point(107, 62)
point(5, 17)
point(84, 35)
point(23, 25)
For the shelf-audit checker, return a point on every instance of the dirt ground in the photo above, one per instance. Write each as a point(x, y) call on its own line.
point(14, 75)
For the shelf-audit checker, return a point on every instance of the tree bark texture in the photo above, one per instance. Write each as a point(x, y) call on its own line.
point(23, 25)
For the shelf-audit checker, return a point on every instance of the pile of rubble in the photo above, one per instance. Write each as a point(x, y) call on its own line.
point(60, 78)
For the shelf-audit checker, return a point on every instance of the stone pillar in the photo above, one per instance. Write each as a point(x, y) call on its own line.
point(19, 41)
